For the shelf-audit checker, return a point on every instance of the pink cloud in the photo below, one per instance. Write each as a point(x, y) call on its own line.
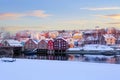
point(34, 13)
point(112, 16)
point(38, 13)
point(4, 16)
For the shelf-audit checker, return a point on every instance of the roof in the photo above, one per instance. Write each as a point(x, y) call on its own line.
point(12, 42)
point(43, 40)
point(109, 36)
point(92, 38)
point(88, 32)
point(61, 38)
point(35, 41)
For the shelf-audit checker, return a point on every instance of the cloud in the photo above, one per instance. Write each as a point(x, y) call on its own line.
point(112, 16)
point(101, 8)
point(4, 16)
point(114, 23)
point(35, 13)
point(38, 13)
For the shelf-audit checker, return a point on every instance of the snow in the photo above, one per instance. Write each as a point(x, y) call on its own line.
point(14, 43)
point(92, 47)
point(24, 69)
point(97, 47)
point(74, 49)
point(89, 32)
point(92, 38)
point(35, 41)
point(108, 36)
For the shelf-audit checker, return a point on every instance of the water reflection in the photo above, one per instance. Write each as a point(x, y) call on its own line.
point(81, 58)
point(95, 58)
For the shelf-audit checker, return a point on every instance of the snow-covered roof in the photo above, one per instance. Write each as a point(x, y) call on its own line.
point(97, 47)
point(23, 39)
point(48, 39)
point(109, 36)
point(61, 38)
point(43, 40)
point(88, 32)
point(35, 41)
point(14, 43)
point(92, 38)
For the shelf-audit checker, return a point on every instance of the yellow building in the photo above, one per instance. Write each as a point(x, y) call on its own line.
point(77, 36)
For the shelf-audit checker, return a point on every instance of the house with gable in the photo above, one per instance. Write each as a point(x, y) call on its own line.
point(109, 39)
point(30, 44)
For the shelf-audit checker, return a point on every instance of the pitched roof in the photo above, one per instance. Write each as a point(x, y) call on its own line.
point(109, 36)
point(14, 43)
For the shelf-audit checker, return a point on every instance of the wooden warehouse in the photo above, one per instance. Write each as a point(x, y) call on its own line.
point(30, 44)
point(42, 47)
point(60, 45)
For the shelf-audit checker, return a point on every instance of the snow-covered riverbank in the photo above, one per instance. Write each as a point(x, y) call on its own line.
point(24, 69)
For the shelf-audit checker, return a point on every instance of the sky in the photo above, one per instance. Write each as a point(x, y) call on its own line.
point(58, 14)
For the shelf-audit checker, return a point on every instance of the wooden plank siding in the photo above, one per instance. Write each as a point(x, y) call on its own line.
point(60, 44)
point(42, 44)
point(42, 47)
point(50, 45)
point(30, 44)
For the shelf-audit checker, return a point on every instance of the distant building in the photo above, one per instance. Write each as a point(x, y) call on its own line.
point(77, 36)
point(110, 39)
point(1, 43)
point(118, 40)
point(91, 40)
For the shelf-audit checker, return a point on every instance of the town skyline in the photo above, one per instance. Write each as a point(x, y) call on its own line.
point(58, 15)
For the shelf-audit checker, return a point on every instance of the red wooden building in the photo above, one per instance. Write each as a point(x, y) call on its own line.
point(50, 46)
point(60, 45)
point(30, 44)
